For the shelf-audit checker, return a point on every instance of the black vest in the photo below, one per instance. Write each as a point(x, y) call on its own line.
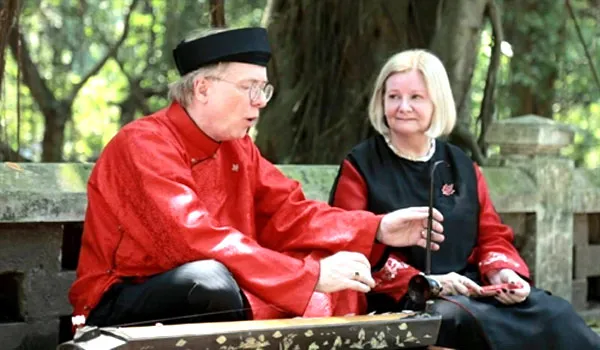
point(395, 183)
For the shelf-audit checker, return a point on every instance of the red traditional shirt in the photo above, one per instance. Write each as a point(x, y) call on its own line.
point(163, 194)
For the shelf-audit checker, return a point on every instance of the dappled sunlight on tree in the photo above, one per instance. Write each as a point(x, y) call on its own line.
point(93, 77)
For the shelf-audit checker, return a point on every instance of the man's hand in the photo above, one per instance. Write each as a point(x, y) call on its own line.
point(509, 296)
point(345, 270)
point(407, 227)
point(454, 284)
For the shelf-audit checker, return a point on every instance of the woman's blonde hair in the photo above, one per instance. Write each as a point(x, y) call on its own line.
point(182, 90)
point(438, 87)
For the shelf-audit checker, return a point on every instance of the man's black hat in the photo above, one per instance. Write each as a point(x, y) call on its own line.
point(246, 45)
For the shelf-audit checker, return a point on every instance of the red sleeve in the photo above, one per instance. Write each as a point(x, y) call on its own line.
point(393, 278)
point(291, 223)
point(160, 210)
point(350, 192)
point(495, 249)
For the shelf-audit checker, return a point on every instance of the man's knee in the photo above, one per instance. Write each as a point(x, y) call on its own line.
point(211, 284)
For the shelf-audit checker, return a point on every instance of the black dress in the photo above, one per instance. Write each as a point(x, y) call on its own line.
point(390, 182)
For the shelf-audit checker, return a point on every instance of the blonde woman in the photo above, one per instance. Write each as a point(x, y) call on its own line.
point(411, 106)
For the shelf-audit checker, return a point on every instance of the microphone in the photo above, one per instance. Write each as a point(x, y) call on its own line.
point(422, 288)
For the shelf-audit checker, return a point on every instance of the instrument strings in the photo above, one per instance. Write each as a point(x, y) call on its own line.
point(185, 317)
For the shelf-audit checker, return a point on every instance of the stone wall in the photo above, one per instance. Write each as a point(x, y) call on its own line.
point(553, 208)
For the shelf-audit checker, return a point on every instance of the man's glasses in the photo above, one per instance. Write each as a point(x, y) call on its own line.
point(254, 90)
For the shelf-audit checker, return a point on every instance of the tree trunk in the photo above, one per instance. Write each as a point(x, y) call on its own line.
point(8, 13)
point(7, 154)
point(456, 43)
point(536, 31)
point(128, 108)
point(54, 134)
point(327, 56)
point(217, 13)
point(325, 60)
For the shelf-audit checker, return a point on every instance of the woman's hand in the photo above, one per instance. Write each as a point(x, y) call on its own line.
point(509, 296)
point(408, 227)
point(454, 284)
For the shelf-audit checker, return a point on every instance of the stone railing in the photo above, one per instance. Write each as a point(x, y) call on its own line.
point(553, 208)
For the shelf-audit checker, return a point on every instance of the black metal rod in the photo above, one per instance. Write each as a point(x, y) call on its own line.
point(430, 218)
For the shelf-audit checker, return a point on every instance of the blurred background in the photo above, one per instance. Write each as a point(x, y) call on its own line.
point(72, 72)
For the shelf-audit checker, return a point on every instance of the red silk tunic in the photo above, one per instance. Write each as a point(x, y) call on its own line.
point(494, 248)
point(163, 194)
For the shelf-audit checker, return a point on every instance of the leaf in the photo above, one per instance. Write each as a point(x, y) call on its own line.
point(14, 166)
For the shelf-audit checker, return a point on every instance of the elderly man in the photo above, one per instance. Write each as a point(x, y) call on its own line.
point(186, 221)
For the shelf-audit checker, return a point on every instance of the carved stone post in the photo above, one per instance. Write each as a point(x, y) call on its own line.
point(533, 144)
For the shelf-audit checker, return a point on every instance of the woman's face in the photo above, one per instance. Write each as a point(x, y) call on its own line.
point(407, 106)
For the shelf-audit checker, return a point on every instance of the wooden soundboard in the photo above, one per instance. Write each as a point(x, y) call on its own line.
point(386, 331)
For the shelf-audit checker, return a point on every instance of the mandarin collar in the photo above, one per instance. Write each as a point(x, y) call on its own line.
point(198, 145)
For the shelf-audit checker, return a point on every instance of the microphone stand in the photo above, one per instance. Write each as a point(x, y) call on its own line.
point(422, 288)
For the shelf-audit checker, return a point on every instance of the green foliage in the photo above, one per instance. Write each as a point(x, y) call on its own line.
point(67, 37)
point(243, 13)
point(95, 115)
point(577, 100)
point(576, 95)
point(31, 125)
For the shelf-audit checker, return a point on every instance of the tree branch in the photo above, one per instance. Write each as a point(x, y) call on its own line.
point(486, 113)
point(585, 48)
point(9, 10)
point(31, 76)
point(10, 155)
point(266, 16)
point(111, 51)
point(217, 13)
point(140, 94)
point(463, 136)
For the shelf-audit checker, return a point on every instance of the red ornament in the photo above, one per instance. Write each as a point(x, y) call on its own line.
point(448, 189)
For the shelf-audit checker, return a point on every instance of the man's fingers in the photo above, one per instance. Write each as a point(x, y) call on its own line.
point(437, 215)
point(437, 237)
point(360, 272)
point(357, 257)
point(437, 227)
point(358, 286)
point(422, 242)
point(368, 280)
